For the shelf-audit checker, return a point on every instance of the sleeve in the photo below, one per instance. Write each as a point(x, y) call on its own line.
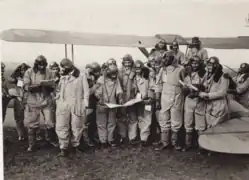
point(222, 91)
point(58, 90)
point(98, 87)
point(12, 80)
point(205, 55)
point(159, 83)
point(145, 89)
point(119, 88)
point(242, 87)
point(26, 80)
point(182, 58)
point(85, 90)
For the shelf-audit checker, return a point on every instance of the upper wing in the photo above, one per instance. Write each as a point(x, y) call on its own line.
point(224, 43)
point(79, 38)
point(231, 136)
point(169, 38)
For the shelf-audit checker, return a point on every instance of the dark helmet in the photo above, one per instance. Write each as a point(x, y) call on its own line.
point(112, 70)
point(112, 61)
point(195, 58)
point(128, 58)
point(168, 58)
point(3, 65)
point(66, 62)
point(195, 41)
point(138, 64)
point(95, 67)
point(213, 60)
point(162, 41)
point(54, 65)
point(175, 45)
point(244, 68)
point(41, 60)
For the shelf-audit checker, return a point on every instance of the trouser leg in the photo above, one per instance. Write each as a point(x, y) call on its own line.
point(31, 138)
point(32, 116)
point(101, 120)
point(63, 116)
point(144, 125)
point(164, 122)
point(77, 126)
point(19, 118)
point(176, 124)
point(50, 134)
point(111, 125)
point(132, 122)
point(122, 122)
point(188, 124)
point(5, 102)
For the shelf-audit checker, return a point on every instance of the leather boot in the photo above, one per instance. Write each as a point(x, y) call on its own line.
point(63, 153)
point(175, 141)
point(51, 137)
point(31, 139)
point(20, 131)
point(188, 141)
point(86, 138)
point(164, 141)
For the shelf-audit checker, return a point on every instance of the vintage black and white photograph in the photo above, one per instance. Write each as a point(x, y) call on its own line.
point(124, 89)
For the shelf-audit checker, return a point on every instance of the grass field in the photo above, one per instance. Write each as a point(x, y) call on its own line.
point(126, 163)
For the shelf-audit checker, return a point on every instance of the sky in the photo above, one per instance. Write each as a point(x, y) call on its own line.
point(204, 18)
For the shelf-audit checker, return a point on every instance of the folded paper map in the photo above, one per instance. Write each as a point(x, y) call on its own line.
point(129, 103)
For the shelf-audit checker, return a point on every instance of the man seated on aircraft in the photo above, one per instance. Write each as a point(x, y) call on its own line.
point(170, 116)
point(141, 84)
point(216, 86)
point(108, 90)
point(20, 100)
point(160, 49)
point(242, 82)
point(127, 119)
point(194, 108)
point(178, 54)
point(72, 100)
point(39, 100)
point(195, 48)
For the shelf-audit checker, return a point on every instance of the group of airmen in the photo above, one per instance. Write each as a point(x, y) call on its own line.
point(178, 91)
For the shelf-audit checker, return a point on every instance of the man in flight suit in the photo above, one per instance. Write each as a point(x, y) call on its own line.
point(108, 90)
point(194, 109)
point(197, 50)
point(127, 118)
point(72, 99)
point(39, 100)
point(178, 54)
point(170, 116)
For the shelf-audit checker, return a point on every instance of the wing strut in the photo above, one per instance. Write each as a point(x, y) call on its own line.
point(72, 51)
point(65, 50)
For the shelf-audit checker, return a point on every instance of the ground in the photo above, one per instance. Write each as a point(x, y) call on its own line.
point(117, 164)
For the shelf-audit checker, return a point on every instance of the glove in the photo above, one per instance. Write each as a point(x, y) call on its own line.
point(158, 105)
point(120, 99)
point(186, 91)
point(89, 111)
point(147, 101)
point(34, 88)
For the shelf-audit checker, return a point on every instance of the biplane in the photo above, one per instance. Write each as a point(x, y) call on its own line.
point(231, 136)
